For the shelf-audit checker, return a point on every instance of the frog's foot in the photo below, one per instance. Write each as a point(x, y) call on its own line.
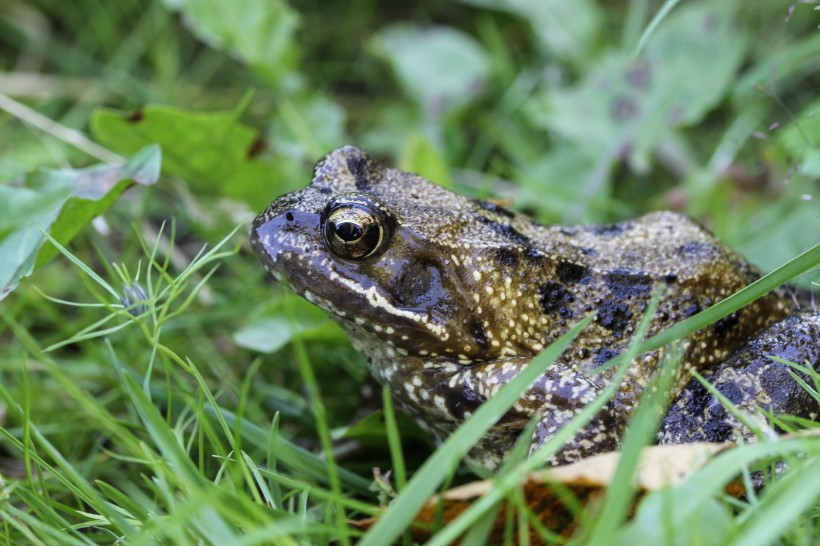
point(750, 379)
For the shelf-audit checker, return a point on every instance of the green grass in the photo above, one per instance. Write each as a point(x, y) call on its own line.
point(157, 388)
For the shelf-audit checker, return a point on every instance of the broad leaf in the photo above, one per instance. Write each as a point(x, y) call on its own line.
point(460, 64)
point(257, 32)
point(567, 30)
point(421, 157)
point(629, 105)
point(212, 151)
point(60, 203)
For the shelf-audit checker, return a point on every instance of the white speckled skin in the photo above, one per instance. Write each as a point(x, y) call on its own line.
point(460, 294)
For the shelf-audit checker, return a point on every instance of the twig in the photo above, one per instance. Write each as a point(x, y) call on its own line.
point(66, 134)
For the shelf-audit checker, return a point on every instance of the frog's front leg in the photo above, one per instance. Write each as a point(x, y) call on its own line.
point(557, 396)
point(750, 379)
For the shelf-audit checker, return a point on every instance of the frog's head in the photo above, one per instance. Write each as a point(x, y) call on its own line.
point(388, 252)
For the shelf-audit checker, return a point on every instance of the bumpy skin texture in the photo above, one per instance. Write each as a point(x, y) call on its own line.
point(460, 294)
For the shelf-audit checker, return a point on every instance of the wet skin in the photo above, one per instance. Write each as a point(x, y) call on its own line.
point(448, 297)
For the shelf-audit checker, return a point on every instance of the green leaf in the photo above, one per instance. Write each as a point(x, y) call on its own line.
point(420, 156)
point(629, 105)
point(269, 333)
point(257, 32)
point(566, 30)
point(60, 203)
point(658, 519)
point(440, 67)
point(203, 148)
point(96, 191)
point(307, 127)
point(212, 151)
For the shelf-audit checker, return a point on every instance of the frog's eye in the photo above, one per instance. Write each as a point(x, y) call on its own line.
point(356, 227)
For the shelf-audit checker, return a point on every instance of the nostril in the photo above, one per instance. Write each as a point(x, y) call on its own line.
point(289, 217)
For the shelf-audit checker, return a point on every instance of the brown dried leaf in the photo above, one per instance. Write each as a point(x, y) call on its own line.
point(554, 495)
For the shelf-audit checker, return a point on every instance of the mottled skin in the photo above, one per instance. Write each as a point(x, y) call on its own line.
point(455, 295)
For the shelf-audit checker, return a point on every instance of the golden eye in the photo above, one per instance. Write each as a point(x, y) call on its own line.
point(356, 227)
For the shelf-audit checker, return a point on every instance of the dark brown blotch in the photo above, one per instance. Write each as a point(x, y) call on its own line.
point(724, 326)
point(570, 273)
point(506, 231)
point(627, 284)
point(492, 207)
point(614, 315)
point(533, 256)
point(697, 249)
point(357, 165)
point(609, 230)
point(690, 310)
point(605, 355)
point(460, 401)
point(507, 256)
point(555, 299)
point(479, 334)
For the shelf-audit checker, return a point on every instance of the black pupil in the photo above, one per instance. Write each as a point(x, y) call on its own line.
point(348, 231)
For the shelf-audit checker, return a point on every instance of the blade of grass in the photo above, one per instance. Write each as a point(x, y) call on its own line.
point(782, 503)
point(393, 440)
point(439, 465)
point(666, 8)
point(507, 481)
point(48, 520)
point(290, 454)
point(276, 491)
point(620, 492)
point(316, 404)
point(781, 275)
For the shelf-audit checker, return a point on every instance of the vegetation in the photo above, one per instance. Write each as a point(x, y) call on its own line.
point(156, 387)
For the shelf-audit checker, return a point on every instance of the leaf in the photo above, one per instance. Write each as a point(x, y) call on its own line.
point(628, 106)
point(566, 30)
point(257, 32)
point(60, 203)
point(307, 127)
point(440, 67)
point(213, 151)
point(420, 156)
point(711, 523)
point(671, 501)
point(547, 491)
point(203, 148)
point(268, 334)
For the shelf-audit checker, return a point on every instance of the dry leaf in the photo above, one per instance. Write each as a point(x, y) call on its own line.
point(562, 497)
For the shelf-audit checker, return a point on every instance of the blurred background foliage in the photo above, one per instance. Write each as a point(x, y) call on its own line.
point(559, 107)
point(546, 102)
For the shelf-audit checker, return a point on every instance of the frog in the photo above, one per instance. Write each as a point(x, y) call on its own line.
point(448, 297)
